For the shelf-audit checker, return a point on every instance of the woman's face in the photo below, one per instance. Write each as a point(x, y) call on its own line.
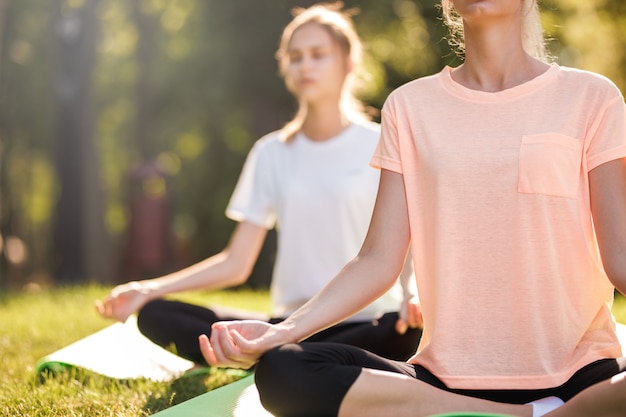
point(317, 66)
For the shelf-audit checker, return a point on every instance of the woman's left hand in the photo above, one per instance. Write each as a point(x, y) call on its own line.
point(240, 343)
point(410, 315)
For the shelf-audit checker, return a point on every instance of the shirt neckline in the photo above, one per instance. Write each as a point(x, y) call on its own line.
point(518, 91)
point(306, 141)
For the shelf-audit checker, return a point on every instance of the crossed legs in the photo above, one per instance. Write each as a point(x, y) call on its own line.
point(319, 379)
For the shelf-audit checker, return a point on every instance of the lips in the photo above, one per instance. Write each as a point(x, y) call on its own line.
point(304, 82)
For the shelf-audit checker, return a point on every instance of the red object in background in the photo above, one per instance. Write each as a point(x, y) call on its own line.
point(149, 232)
point(148, 250)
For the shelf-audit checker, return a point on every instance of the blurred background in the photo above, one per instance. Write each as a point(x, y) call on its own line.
point(124, 124)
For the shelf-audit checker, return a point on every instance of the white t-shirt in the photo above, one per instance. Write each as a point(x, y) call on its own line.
point(320, 197)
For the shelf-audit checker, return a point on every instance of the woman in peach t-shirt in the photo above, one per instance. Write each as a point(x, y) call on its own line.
point(507, 177)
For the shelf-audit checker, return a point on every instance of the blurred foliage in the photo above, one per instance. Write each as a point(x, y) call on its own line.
point(188, 86)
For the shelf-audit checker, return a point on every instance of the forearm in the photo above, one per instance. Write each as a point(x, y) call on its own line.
point(228, 268)
point(212, 273)
point(608, 205)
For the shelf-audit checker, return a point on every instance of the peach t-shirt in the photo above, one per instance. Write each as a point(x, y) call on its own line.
point(512, 287)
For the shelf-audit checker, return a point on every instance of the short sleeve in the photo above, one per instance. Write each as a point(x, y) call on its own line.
point(254, 196)
point(387, 153)
point(607, 138)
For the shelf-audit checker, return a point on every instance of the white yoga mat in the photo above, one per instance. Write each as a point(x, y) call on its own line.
point(118, 351)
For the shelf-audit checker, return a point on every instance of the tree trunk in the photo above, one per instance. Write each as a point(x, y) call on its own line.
point(80, 239)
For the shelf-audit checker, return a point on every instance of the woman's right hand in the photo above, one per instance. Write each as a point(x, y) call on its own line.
point(123, 301)
point(240, 343)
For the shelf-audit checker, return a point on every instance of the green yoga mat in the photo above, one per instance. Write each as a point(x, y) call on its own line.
point(118, 351)
point(241, 399)
point(238, 399)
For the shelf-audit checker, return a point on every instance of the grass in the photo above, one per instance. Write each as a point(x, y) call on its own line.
point(34, 324)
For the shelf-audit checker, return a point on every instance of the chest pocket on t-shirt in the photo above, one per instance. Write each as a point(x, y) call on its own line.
point(550, 164)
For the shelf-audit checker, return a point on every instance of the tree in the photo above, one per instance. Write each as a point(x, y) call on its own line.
point(79, 235)
point(91, 88)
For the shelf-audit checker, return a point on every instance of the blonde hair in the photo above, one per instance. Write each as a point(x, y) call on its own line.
point(338, 23)
point(532, 32)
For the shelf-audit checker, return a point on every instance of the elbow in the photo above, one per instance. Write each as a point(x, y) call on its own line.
point(619, 282)
point(238, 272)
point(616, 271)
point(613, 256)
point(240, 277)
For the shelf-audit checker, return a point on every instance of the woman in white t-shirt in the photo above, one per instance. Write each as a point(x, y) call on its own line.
point(312, 181)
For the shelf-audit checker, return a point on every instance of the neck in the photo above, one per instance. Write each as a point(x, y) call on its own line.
point(324, 122)
point(495, 59)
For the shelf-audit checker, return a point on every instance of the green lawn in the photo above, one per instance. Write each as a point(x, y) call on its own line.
point(33, 324)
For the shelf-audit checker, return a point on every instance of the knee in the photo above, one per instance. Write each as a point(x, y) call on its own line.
point(149, 314)
point(305, 379)
point(274, 375)
point(275, 366)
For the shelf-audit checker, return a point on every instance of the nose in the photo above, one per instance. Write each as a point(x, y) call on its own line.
point(304, 64)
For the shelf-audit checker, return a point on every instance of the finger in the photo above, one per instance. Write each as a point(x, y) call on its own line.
point(401, 326)
point(240, 350)
point(110, 305)
point(105, 308)
point(249, 352)
point(222, 348)
point(246, 348)
point(215, 344)
point(228, 347)
point(207, 350)
point(223, 341)
point(420, 319)
point(417, 320)
point(414, 316)
point(411, 316)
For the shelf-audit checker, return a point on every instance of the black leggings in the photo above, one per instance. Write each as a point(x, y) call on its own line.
point(311, 379)
point(169, 323)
